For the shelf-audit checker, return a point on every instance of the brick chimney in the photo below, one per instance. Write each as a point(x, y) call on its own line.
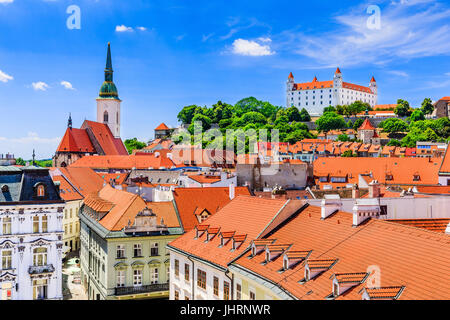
point(374, 189)
point(355, 191)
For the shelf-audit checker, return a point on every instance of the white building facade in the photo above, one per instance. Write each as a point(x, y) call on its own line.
point(316, 95)
point(31, 216)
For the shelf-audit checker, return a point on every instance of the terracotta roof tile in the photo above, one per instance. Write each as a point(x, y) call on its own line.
point(162, 126)
point(124, 162)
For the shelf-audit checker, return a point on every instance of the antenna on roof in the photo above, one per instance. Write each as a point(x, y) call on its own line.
point(34, 156)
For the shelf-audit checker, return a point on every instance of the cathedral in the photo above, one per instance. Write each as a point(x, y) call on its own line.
point(95, 138)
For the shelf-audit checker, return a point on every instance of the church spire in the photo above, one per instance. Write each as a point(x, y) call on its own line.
point(109, 70)
point(69, 122)
point(108, 89)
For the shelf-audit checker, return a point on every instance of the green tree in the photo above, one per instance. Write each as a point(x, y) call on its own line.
point(403, 109)
point(343, 138)
point(427, 106)
point(187, 113)
point(297, 135)
point(394, 142)
point(393, 125)
point(417, 115)
point(305, 117)
point(350, 124)
point(205, 121)
point(416, 134)
point(134, 144)
point(20, 162)
point(293, 114)
point(330, 121)
point(329, 109)
point(254, 117)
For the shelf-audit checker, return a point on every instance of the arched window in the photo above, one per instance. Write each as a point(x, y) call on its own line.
point(40, 191)
point(105, 116)
point(117, 118)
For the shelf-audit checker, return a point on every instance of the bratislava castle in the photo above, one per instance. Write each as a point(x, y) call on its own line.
point(315, 95)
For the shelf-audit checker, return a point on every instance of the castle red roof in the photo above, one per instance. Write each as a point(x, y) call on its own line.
point(291, 76)
point(162, 126)
point(75, 140)
point(109, 144)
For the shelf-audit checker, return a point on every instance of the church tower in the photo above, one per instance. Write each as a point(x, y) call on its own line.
point(108, 102)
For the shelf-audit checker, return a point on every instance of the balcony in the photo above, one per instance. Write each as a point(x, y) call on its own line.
point(121, 291)
point(41, 269)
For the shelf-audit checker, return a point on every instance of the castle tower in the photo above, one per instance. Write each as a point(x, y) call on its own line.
point(289, 89)
point(108, 102)
point(337, 84)
point(373, 86)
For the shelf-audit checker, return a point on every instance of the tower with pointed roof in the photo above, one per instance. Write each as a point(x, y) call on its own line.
point(289, 88)
point(373, 86)
point(108, 102)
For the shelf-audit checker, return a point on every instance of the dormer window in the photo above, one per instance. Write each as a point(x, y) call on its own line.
point(5, 188)
point(307, 274)
point(238, 240)
point(40, 190)
point(200, 230)
point(335, 289)
point(267, 256)
point(416, 177)
point(389, 176)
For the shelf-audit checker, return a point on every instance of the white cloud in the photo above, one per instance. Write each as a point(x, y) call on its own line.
point(67, 85)
point(412, 29)
point(180, 37)
point(141, 28)
point(123, 28)
point(205, 37)
point(251, 48)
point(40, 86)
point(6, 1)
point(3, 76)
point(23, 146)
point(399, 73)
point(263, 39)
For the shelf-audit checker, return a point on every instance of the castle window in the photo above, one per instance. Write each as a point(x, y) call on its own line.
point(105, 116)
point(117, 118)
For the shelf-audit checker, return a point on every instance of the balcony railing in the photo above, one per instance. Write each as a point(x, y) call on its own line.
point(120, 291)
point(49, 268)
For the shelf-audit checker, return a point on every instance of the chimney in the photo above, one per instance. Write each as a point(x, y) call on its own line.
point(355, 191)
point(169, 156)
point(330, 204)
point(374, 189)
point(231, 191)
point(365, 209)
point(156, 154)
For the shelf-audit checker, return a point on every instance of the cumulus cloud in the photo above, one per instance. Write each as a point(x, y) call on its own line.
point(5, 77)
point(42, 86)
point(251, 48)
point(123, 28)
point(6, 1)
point(67, 85)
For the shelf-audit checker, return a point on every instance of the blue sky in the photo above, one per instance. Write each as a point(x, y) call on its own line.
point(171, 53)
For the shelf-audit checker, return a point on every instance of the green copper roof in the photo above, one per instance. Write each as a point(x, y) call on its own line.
point(108, 89)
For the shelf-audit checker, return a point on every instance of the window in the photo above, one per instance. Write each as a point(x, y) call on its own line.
point(6, 225)
point(238, 291)
point(36, 224)
point(154, 249)
point(216, 286)
point(307, 274)
point(40, 256)
point(45, 224)
point(177, 268)
point(201, 279)
point(226, 290)
point(137, 277)
point(154, 275)
point(105, 116)
point(40, 191)
point(70, 228)
point(120, 251)
point(186, 272)
point(177, 295)
point(121, 278)
point(6, 259)
point(252, 295)
point(39, 289)
point(137, 250)
point(285, 264)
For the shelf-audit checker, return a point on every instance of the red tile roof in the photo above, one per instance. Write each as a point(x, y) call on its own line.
point(105, 138)
point(66, 190)
point(75, 140)
point(124, 162)
point(84, 180)
point(291, 76)
point(437, 225)
point(245, 215)
point(165, 211)
point(404, 256)
point(188, 200)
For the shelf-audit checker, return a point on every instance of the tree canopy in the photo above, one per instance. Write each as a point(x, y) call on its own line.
point(330, 121)
point(134, 144)
point(427, 106)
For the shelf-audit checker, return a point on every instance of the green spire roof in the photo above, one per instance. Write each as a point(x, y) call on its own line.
point(108, 89)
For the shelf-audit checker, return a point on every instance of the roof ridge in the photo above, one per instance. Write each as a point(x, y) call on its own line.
point(438, 235)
